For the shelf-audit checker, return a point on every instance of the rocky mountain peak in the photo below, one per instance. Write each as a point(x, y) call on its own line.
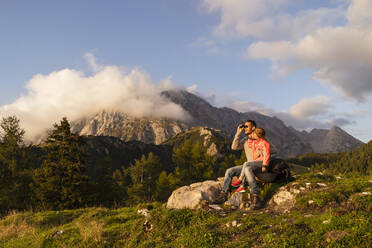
point(288, 141)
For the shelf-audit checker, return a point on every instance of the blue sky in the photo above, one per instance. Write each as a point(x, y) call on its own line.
point(303, 61)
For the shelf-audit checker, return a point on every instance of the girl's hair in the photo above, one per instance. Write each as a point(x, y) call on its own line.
point(260, 132)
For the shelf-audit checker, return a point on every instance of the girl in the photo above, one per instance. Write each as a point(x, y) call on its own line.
point(261, 157)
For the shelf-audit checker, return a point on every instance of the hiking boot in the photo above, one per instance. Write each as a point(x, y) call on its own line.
point(237, 183)
point(256, 202)
point(221, 198)
point(241, 189)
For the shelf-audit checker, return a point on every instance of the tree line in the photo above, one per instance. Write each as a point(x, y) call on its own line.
point(54, 175)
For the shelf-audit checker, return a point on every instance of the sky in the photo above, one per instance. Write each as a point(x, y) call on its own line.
point(308, 63)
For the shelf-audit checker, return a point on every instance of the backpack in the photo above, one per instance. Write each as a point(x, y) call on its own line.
point(278, 171)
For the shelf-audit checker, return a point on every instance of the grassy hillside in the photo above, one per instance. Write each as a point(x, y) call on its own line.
point(341, 216)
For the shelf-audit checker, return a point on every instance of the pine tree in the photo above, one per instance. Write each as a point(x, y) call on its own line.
point(120, 181)
point(15, 175)
point(61, 182)
point(165, 185)
point(143, 175)
point(193, 163)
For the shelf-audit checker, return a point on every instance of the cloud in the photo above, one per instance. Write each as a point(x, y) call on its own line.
point(210, 45)
point(268, 19)
point(247, 106)
point(73, 94)
point(341, 56)
point(308, 113)
point(192, 89)
point(335, 42)
point(310, 107)
point(341, 122)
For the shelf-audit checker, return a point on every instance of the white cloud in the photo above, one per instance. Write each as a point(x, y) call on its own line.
point(192, 89)
point(335, 42)
point(341, 56)
point(310, 107)
point(308, 113)
point(71, 93)
point(267, 19)
point(92, 62)
point(359, 13)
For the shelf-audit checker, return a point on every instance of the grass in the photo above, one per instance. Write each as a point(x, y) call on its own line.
point(340, 217)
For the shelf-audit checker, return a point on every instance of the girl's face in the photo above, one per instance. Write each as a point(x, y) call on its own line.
point(254, 135)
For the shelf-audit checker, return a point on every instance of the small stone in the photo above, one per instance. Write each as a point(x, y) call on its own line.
point(215, 207)
point(143, 212)
point(308, 185)
point(310, 202)
point(244, 214)
point(366, 193)
point(234, 223)
point(239, 225)
point(334, 235)
point(147, 225)
point(295, 191)
point(220, 179)
point(59, 232)
point(228, 225)
point(338, 177)
point(326, 222)
point(302, 188)
point(322, 184)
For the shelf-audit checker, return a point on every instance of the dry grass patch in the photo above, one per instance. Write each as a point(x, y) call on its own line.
point(14, 227)
point(91, 230)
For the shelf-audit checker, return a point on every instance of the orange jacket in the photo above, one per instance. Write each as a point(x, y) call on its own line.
point(261, 151)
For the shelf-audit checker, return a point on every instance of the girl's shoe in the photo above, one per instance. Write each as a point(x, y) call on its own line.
point(236, 183)
point(240, 189)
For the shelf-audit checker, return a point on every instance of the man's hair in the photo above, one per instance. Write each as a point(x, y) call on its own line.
point(253, 123)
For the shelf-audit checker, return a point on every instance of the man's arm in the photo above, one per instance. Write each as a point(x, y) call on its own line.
point(238, 142)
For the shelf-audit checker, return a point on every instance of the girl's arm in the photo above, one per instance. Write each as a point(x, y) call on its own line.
point(266, 153)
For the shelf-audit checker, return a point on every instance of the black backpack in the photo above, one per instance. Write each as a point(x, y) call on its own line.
point(278, 171)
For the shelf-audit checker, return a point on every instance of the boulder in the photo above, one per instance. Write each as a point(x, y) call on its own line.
point(238, 200)
point(191, 196)
point(285, 199)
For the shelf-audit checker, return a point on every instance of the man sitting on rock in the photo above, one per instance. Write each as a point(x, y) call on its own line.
point(247, 142)
point(238, 143)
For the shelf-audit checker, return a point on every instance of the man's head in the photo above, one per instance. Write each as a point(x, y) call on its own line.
point(250, 126)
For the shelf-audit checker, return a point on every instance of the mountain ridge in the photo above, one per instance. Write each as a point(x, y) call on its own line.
point(288, 141)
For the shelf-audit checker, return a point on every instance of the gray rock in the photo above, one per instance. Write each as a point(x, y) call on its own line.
point(236, 199)
point(192, 196)
point(284, 200)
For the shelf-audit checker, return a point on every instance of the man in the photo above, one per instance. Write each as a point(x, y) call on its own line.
point(238, 143)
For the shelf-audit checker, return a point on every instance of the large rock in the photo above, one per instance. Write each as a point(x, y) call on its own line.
point(191, 196)
point(238, 200)
point(285, 199)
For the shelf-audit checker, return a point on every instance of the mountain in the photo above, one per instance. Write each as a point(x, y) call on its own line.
point(288, 141)
point(333, 140)
point(215, 141)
